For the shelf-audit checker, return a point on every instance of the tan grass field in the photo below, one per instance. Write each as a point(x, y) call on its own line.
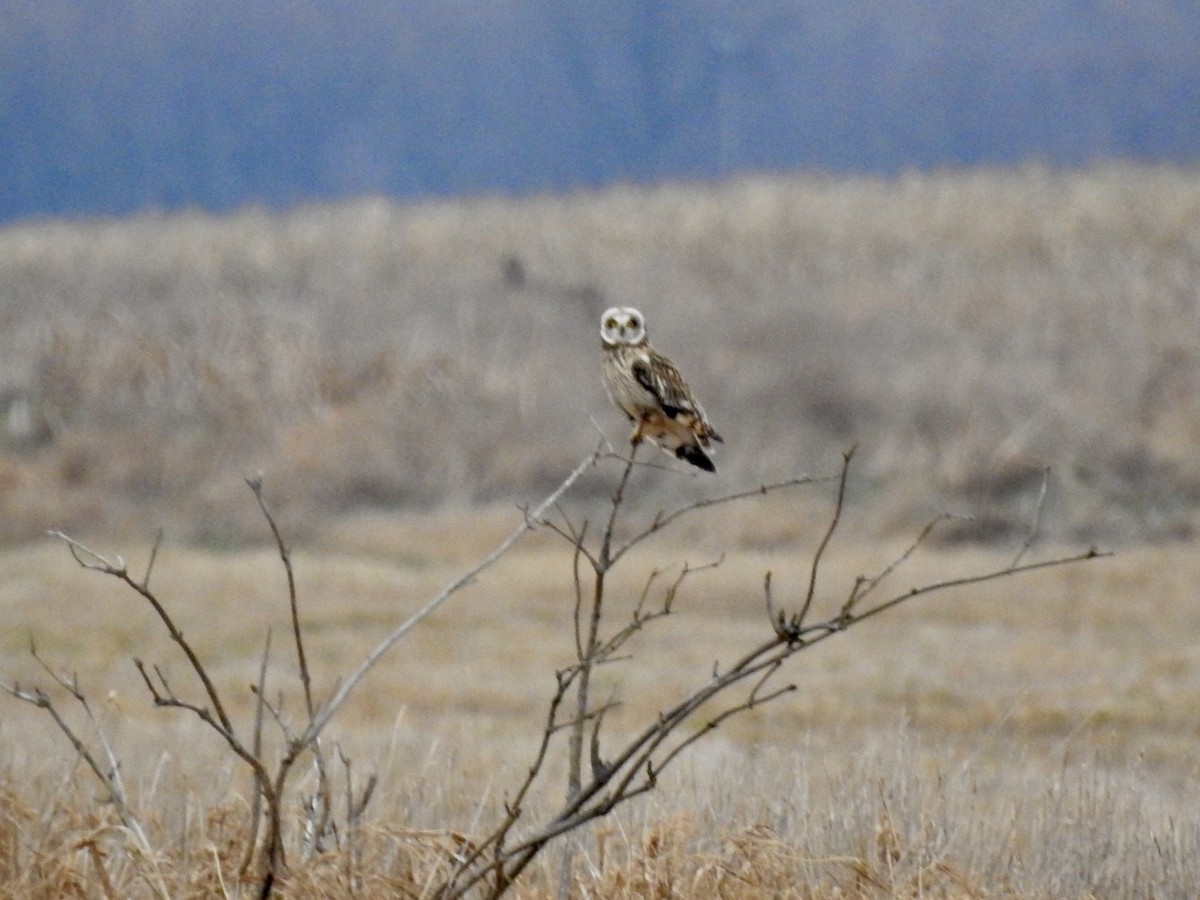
point(1034, 737)
point(965, 328)
point(403, 388)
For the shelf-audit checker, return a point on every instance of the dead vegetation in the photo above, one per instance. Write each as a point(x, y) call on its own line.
point(289, 827)
point(392, 370)
point(1022, 743)
point(966, 328)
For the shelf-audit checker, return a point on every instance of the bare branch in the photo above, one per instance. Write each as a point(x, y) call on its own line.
point(492, 864)
point(604, 652)
point(256, 804)
point(327, 711)
point(599, 768)
point(39, 698)
point(1036, 526)
point(863, 586)
point(255, 485)
point(1089, 554)
point(673, 590)
point(605, 557)
point(577, 582)
point(833, 524)
point(82, 553)
point(635, 767)
point(289, 733)
point(167, 698)
point(153, 557)
point(515, 807)
point(763, 660)
point(605, 444)
point(109, 776)
point(118, 570)
point(641, 601)
point(775, 616)
point(568, 532)
point(356, 807)
point(662, 520)
point(753, 700)
point(260, 689)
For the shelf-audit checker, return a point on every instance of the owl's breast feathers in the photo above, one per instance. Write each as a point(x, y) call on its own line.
point(651, 391)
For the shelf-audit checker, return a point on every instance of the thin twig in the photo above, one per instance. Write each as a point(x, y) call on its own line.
point(578, 586)
point(255, 485)
point(753, 700)
point(515, 807)
point(153, 557)
point(605, 558)
point(662, 520)
point(117, 569)
point(1037, 518)
point(110, 777)
point(775, 617)
point(1091, 553)
point(256, 804)
point(864, 586)
point(833, 524)
point(327, 711)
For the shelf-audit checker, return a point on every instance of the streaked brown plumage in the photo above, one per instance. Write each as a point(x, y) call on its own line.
point(647, 387)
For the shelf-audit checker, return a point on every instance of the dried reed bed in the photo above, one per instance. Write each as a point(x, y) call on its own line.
point(965, 327)
point(894, 817)
point(1026, 738)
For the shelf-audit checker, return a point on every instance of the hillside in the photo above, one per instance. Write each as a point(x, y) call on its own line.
point(965, 328)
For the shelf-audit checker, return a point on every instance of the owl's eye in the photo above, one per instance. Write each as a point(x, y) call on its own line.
point(611, 324)
point(634, 323)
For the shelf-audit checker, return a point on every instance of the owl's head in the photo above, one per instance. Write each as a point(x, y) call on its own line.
point(622, 325)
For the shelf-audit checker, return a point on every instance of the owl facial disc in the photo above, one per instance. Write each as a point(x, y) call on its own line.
point(622, 325)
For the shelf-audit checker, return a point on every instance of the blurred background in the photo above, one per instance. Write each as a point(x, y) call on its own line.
point(363, 248)
point(116, 107)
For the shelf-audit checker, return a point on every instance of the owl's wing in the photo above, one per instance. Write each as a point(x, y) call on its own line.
point(659, 376)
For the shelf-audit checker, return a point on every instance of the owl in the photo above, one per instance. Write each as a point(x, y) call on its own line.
point(647, 387)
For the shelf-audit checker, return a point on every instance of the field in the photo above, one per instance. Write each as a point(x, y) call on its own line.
point(406, 377)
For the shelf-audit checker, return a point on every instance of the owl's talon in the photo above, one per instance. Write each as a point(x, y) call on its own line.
point(636, 437)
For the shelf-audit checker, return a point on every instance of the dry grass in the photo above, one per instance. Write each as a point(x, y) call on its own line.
point(1028, 738)
point(402, 388)
point(966, 328)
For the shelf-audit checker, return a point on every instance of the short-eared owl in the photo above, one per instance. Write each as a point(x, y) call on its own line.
point(644, 385)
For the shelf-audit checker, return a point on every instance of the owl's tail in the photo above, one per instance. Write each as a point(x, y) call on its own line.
point(696, 456)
